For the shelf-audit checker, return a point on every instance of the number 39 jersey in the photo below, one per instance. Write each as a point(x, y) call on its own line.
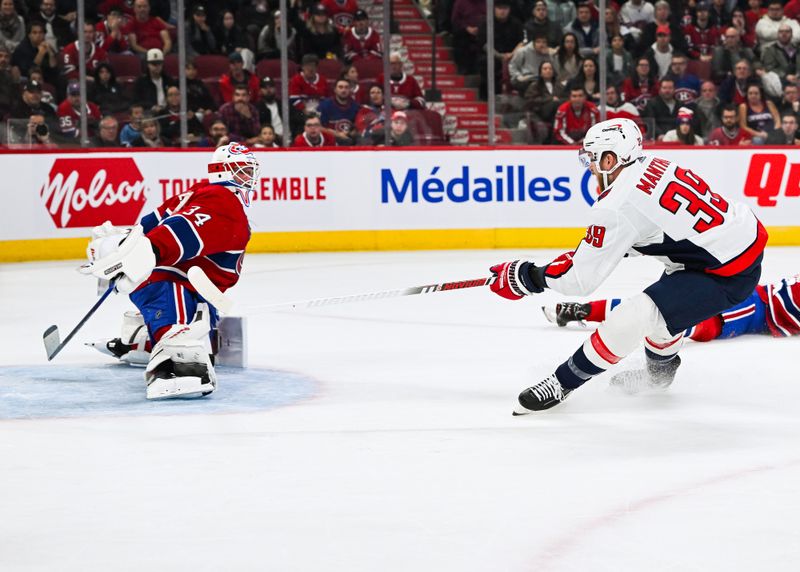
point(206, 227)
point(657, 208)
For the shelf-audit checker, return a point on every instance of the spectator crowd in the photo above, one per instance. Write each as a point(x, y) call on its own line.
point(232, 75)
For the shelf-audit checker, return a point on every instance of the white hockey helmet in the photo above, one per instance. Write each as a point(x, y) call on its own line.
point(234, 165)
point(619, 136)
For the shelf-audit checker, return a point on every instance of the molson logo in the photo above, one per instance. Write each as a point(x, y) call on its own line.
point(87, 192)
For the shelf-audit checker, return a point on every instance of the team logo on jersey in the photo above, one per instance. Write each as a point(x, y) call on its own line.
point(81, 192)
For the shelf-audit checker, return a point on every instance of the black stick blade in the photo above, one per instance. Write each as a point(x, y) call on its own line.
point(52, 341)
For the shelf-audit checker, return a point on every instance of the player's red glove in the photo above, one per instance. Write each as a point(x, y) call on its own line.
point(517, 279)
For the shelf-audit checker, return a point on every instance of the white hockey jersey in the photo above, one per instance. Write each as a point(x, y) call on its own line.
point(659, 209)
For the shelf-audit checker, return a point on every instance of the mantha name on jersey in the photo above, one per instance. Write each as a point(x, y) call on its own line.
point(207, 227)
point(656, 208)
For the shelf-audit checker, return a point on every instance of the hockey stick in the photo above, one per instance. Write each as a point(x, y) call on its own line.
point(208, 290)
point(52, 344)
point(382, 295)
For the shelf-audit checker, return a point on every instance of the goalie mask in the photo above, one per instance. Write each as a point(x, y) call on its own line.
point(621, 137)
point(236, 167)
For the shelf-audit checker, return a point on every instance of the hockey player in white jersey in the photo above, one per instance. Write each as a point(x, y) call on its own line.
point(712, 250)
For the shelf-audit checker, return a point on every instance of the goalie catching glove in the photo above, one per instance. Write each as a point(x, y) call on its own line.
point(517, 279)
point(124, 255)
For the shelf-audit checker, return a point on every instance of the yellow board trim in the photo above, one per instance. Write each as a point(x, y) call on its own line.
point(344, 240)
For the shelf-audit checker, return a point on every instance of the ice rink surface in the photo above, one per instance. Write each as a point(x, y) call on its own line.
point(397, 451)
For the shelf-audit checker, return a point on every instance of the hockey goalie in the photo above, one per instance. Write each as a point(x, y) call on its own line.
point(206, 227)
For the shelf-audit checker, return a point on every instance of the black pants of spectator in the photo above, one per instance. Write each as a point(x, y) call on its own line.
point(541, 120)
point(521, 86)
point(498, 76)
point(466, 52)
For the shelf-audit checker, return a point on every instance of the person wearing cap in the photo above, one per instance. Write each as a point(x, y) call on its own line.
point(782, 57)
point(69, 113)
point(338, 113)
point(587, 30)
point(661, 17)
point(406, 92)
point(400, 134)
point(660, 53)
point(317, 34)
point(684, 132)
point(237, 75)
point(313, 135)
point(769, 25)
point(362, 42)
point(108, 33)
point(146, 32)
point(342, 12)
point(308, 86)
point(30, 102)
point(702, 35)
point(150, 88)
point(201, 39)
point(35, 51)
point(95, 54)
point(269, 108)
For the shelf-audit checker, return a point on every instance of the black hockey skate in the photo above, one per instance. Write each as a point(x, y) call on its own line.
point(658, 375)
point(544, 395)
point(566, 312)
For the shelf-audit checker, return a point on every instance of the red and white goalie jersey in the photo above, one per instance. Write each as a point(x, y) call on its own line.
point(659, 209)
point(206, 227)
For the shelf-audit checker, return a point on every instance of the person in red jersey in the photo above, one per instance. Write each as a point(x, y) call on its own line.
point(108, 33)
point(205, 227)
point(342, 12)
point(729, 133)
point(95, 55)
point(574, 118)
point(313, 136)
point(308, 87)
point(146, 32)
point(69, 113)
point(406, 92)
point(362, 42)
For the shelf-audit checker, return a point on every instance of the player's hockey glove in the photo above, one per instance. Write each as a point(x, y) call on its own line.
point(517, 279)
point(128, 257)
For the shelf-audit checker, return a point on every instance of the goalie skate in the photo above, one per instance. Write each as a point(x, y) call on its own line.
point(131, 346)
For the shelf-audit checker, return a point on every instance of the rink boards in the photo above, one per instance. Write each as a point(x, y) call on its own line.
point(423, 198)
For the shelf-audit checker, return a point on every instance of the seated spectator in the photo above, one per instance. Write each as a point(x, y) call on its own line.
point(545, 95)
point(350, 73)
point(58, 32)
point(747, 33)
point(660, 53)
point(523, 67)
point(634, 16)
point(758, 115)
point(217, 135)
point(107, 133)
point(201, 39)
point(105, 92)
point(30, 103)
point(702, 36)
point(768, 25)
point(150, 136)
point(619, 63)
point(684, 132)
point(253, 16)
point(362, 42)
point(729, 134)
point(48, 98)
point(230, 37)
point(269, 40)
point(198, 97)
point(269, 108)
point(95, 55)
point(617, 108)
point(574, 118)
point(241, 116)
point(406, 92)
point(308, 87)
point(170, 122)
point(69, 114)
point(561, 12)
point(35, 51)
point(662, 16)
point(587, 79)
point(109, 33)
point(38, 132)
point(789, 102)
point(12, 25)
point(146, 32)
point(133, 128)
point(151, 87)
point(786, 134)
point(318, 35)
point(539, 24)
point(341, 12)
point(467, 18)
point(707, 109)
point(781, 57)
point(508, 37)
point(586, 31)
point(641, 85)
point(369, 122)
point(734, 88)
point(237, 75)
point(400, 136)
point(719, 13)
point(687, 85)
point(266, 138)
point(338, 114)
point(313, 135)
point(9, 83)
point(567, 61)
point(729, 54)
point(663, 109)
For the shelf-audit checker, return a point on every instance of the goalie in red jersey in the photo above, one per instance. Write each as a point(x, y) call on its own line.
point(206, 227)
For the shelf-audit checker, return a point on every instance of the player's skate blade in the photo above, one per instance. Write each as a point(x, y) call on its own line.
point(657, 377)
point(544, 395)
point(164, 388)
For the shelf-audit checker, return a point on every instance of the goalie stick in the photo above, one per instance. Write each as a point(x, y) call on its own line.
point(51, 338)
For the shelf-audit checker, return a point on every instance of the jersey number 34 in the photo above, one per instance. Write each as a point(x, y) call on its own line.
point(693, 194)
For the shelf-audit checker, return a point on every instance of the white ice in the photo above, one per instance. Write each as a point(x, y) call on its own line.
point(407, 458)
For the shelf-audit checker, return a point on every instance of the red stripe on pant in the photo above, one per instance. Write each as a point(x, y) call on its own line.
point(602, 350)
point(663, 346)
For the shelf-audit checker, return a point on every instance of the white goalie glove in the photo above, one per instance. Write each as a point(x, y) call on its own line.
point(124, 254)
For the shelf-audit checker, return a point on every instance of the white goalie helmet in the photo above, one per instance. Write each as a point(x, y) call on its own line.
point(619, 136)
point(235, 165)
